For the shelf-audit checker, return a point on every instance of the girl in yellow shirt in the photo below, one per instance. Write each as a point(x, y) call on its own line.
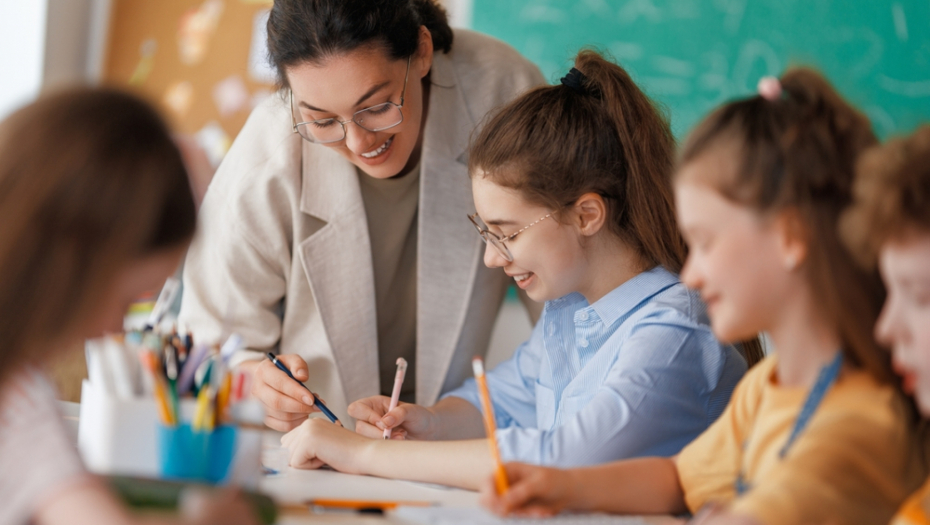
point(889, 224)
point(820, 431)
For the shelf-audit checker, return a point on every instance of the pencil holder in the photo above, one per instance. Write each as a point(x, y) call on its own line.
point(191, 455)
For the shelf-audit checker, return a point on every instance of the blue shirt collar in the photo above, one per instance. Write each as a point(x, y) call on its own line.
point(622, 300)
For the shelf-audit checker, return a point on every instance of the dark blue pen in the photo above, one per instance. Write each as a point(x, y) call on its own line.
point(316, 401)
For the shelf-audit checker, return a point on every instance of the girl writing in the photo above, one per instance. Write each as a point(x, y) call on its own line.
point(574, 202)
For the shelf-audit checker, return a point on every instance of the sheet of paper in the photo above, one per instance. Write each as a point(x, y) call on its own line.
point(478, 516)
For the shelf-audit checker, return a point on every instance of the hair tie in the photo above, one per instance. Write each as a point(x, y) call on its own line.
point(769, 88)
point(573, 79)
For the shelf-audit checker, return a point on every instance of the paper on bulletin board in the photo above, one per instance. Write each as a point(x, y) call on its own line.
point(260, 68)
point(214, 141)
point(178, 98)
point(195, 30)
point(230, 95)
point(146, 62)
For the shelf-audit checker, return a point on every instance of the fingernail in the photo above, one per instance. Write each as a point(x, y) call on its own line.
point(389, 421)
point(301, 374)
point(307, 400)
point(380, 425)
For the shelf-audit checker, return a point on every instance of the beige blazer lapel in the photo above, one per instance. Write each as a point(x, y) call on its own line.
point(337, 261)
point(449, 249)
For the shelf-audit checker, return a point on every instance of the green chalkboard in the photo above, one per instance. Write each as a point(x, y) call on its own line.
point(691, 55)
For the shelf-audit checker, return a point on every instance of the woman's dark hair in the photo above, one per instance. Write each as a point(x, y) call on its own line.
point(90, 180)
point(798, 153)
point(602, 135)
point(302, 31)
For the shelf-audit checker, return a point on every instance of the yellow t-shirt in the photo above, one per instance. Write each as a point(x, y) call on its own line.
point(856, 461)
point(914, 510)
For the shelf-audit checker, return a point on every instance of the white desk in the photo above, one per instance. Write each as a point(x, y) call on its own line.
point(297, 486)
point(294, 486)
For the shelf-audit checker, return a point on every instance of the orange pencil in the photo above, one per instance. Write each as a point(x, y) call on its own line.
point(223, 398)
point(366, 504)
point(150, 362)
point(490, 428)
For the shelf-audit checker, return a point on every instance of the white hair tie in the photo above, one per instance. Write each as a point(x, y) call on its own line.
point(769, 88)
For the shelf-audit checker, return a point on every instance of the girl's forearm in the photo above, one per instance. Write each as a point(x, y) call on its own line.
point(464, 464)
point(634, 486)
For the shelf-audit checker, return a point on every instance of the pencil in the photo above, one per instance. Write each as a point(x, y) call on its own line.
point(490, 428)
point(150, 362)
point(366, 504)
point(395, 395)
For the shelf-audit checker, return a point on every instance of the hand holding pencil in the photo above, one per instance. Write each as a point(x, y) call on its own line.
point(373, 415)
point(287, 403)
point(490, 426)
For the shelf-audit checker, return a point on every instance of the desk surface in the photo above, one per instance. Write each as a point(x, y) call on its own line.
point(296, 486)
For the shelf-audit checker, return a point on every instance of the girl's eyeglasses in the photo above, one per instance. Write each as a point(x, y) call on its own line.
point(497, 241)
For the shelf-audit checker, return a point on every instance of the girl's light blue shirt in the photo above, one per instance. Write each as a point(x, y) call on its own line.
point(638, 373)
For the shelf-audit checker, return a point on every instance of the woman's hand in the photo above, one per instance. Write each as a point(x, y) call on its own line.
point(287, 403)
point(534, 491)
point(407, 420)
point(317, 442)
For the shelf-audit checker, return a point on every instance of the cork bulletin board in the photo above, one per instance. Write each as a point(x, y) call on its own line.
point(202, 61)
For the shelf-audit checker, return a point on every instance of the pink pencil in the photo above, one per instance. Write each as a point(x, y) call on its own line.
point(395, 395)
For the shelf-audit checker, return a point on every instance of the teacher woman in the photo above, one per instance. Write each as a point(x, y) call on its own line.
point(335, 230)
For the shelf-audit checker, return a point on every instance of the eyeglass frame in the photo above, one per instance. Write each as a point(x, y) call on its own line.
point(343, 123)
point(499, 242)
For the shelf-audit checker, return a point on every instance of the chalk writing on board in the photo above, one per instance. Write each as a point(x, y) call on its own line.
point(691, 55)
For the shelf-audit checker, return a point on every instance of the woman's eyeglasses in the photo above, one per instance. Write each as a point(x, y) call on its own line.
point(376, 118)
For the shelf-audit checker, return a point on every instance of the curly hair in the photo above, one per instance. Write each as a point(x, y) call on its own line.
point(891, 195)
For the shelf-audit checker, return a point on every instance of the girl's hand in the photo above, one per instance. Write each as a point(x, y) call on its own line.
point(317, 442)
point(287, 404)
point(534, 491)
point(407, 420)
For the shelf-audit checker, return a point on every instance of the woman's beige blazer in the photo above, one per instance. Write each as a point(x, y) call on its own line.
point(282, 256)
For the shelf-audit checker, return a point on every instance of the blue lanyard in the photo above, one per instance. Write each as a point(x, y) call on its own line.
point(825, 380)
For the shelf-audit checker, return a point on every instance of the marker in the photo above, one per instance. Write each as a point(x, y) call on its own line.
point(490, 428)
point(316, 401)
point(395, 394)
point(165, 298)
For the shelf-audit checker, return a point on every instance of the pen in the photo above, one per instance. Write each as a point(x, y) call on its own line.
point(316, 401)
point(395, 394)
point(500, 475)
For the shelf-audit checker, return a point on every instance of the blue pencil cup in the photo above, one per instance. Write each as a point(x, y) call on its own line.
point(196, 456)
